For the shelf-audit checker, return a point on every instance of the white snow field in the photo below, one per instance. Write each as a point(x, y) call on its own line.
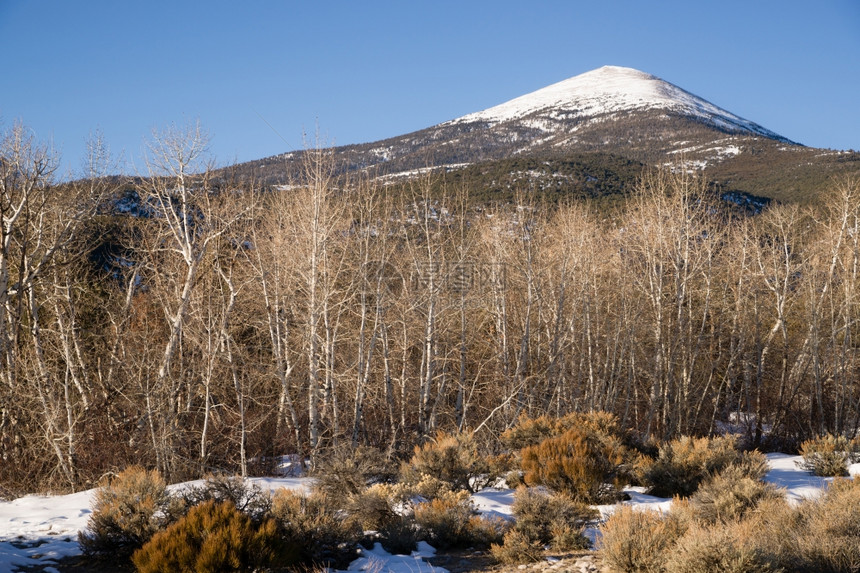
point(38, 530)
point(612, 89)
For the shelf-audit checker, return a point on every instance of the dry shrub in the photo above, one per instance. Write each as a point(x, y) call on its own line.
point(683, 513)
point(316, 525)
point(422, 486)
point(248, 497)
point(386, 509)
point(484, 531)
point(684, 463)
point(567, 537)
point(637, 541)
point(400, 537)
point(532, 431)
point(752, 464)
point(773, 529)
point(728, 496)
point(212, 537)
point(577, 463)
point(830, 537)
point(514, 479)
point(373, 508)
point(126, 513)
point(450, 520)
point(347, 471)
point(717, 549)
point(819, 535)
point(517, 548)
point(500, 466)
point(829, 455)
point(445, 519)
point(551, 518)
point(402, 496)
point(453, 459)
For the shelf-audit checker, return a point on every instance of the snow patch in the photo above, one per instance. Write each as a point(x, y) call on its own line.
point(392, 177)
point(378, 560)
point(384, 153)
point(798, 484)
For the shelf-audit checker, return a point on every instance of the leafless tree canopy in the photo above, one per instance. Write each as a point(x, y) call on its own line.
point(222, 325)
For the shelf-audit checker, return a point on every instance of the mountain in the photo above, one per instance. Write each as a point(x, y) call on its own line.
point(615, 111)
point(601, 95)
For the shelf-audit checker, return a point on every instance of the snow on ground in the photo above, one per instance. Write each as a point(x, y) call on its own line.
point(798, 484)
point(494, 502)
point(640, 500)
point(378, 560)
point(39, 530)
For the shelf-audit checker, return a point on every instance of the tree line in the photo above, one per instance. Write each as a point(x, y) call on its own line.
point(218, 325)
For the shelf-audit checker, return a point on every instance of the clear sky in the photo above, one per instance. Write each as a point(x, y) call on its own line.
point(259, 74)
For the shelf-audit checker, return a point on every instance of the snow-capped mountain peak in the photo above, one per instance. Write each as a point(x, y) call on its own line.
point(608, 90)
point(615, 111)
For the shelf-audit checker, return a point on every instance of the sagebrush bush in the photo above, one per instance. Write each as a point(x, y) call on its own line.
point(374, 508)
point(514, 479)
point(248, 497)
point(484, 531)
point(567, 537)
point(212, 537)
point(577, 463)
point(545, 518)
point(453, 459)
point(420, 485)
point(399, 537)
point(774, 529)
point(127, 512)
point(728, 496)
point(501, 465)
point(718, 549)
point(829, 539)
point(451, 520)
point(819, 535)
point(516, 548)
point(829, 455)
point(347, 471)
point(532, 431)
point(752, 464)
point(682, 464)
point(637, 541)
point(316, 525)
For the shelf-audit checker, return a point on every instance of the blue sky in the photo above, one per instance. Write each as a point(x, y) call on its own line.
point(362, 71)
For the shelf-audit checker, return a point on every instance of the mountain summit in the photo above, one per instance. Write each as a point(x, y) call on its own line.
point(608, 90)
point(624, 113)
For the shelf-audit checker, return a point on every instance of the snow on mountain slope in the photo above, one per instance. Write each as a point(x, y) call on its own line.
point(608, 90)
point(616, 111)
